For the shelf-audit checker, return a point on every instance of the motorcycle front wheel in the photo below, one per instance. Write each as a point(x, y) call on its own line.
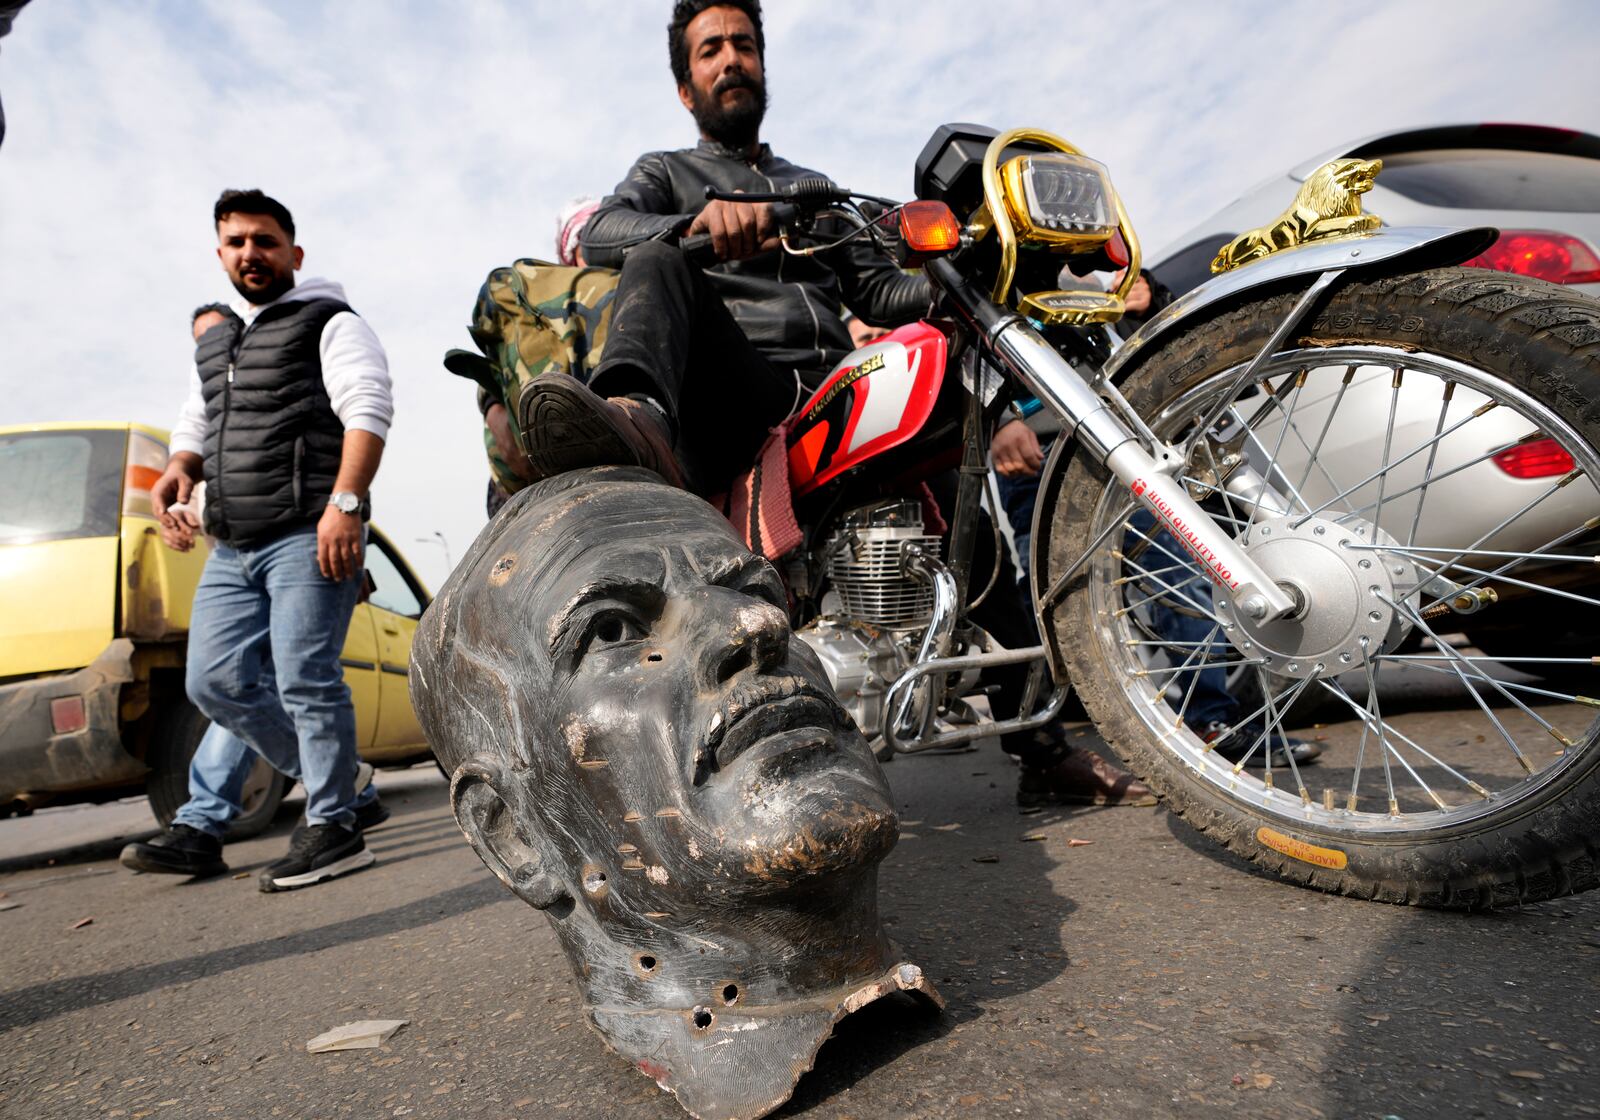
point(1428, 445)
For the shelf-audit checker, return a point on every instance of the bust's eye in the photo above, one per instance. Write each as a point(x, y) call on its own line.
point(613, 628)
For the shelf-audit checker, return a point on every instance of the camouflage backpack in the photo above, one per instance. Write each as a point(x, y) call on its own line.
point(532, 318)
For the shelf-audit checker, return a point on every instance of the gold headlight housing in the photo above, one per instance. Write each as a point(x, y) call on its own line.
point(1059, 200)
point(1062, 201)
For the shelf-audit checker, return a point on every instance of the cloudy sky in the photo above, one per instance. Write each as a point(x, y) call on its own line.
point(421, 144)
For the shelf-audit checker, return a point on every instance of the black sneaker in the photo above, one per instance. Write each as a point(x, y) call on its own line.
point(1233, 743)
point(180, 850)
point(371, 815)
point(316, 852)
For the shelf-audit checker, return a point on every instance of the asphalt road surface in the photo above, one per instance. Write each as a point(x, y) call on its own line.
point(1146, 973)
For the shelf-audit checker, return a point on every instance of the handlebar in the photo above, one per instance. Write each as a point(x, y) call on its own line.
point(702, 254)
point(792, 208)
point(813, 192)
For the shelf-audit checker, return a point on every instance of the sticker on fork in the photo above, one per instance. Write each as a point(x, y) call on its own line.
point(1300, 850)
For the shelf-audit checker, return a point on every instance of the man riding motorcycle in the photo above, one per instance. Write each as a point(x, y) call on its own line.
point(687, 347)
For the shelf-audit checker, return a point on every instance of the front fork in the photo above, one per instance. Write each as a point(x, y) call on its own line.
point(1109, 429)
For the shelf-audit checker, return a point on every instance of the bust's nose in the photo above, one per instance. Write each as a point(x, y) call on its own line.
point(742, 633)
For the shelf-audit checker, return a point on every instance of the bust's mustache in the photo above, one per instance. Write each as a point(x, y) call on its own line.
point(755, 709)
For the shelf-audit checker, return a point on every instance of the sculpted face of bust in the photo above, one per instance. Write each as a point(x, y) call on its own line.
point(641, 747)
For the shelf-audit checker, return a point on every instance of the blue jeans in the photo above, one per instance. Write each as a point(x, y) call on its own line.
point(221, 765)
point(1017, 497)
point(1210, 700)
point(264, 642)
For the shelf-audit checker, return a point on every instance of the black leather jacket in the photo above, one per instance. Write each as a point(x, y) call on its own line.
point(788, 306)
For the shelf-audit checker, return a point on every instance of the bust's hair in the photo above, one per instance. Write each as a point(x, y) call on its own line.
point(464, 683)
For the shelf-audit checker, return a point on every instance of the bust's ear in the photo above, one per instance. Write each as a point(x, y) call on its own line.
point(479, 797)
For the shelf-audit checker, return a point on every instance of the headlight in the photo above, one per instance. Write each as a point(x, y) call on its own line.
point(1057, 199)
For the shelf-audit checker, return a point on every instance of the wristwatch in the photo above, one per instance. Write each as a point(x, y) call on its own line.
point(346, 502)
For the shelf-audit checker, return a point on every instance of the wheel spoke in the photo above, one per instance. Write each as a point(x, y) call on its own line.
point(1222, 483)
point(1159, 598)
point(1276, 399)
point(1527, 508)
point(1383, 739)
point(1537, 553)
point(1388, 442)
point(1315, 453)
point(1194, 681)
point(1409, 455)
point(1158, 572)
point(1540, 587)
point(1209, 665)
point(1455, 664)
point(1418, 551)
point(1455, 470)
point(1365, 715)
point(1267, 707)
point(1514, 686)
point(1433, 452)
point(1275, 721)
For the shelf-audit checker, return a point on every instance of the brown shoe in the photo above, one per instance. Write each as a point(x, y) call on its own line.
point(1082, 778)
point(567, 426)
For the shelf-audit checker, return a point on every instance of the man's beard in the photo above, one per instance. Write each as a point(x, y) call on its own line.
point(260, 297)
point(735, 127)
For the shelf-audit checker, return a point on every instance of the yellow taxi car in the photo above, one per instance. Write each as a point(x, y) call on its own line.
point(94, 619)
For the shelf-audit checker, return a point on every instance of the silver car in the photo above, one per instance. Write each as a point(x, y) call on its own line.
point(1539, 186)
point(1489, 483)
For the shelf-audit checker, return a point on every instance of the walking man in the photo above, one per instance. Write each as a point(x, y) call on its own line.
point(288, 410)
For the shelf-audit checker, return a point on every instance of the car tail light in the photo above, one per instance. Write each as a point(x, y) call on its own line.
point(67, 714)
point(1541, 458)
point(146, 460)
point(1542, 254)
point(929, 227)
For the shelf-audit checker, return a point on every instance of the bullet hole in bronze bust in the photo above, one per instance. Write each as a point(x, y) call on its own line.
point(730, 995)
point(502, 569)
point(702, 1019)
point(645, 963)
point(655, 655)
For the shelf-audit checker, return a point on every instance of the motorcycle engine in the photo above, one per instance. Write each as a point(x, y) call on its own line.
point(875, 614)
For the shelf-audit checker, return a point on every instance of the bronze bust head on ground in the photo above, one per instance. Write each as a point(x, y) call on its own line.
point(641, 748)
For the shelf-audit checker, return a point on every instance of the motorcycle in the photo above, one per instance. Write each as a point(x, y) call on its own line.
point(1187, 483)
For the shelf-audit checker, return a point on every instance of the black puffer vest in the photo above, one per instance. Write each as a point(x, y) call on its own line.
point(273, 441)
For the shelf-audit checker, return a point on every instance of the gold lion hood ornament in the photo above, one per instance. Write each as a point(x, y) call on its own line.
point(1328, 205)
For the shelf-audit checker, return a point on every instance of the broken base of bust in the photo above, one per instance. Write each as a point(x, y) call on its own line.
point(740, 1063)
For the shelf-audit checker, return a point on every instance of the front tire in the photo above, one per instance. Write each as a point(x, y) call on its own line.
point(1458, 818)
point(174, 739)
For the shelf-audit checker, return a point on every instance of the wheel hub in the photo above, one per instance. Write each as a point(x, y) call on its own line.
point(1343, 595)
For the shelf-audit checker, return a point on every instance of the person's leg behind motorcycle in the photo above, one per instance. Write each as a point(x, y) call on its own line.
point(1053, 770)
point(1183, 613)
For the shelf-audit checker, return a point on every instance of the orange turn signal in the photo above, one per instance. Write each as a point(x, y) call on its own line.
point(1117, 250)
point(929, 227)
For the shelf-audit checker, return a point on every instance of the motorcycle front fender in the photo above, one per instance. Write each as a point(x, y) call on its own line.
point(1416, 248)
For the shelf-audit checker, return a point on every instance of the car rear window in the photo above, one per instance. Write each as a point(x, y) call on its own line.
point(1189, 267)
point(59, 485)
point(1475, 179)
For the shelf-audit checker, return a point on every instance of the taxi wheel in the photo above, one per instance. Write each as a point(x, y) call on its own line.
point(174, 739)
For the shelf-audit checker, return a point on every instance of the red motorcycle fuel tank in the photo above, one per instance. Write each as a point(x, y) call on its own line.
point(878, 397)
